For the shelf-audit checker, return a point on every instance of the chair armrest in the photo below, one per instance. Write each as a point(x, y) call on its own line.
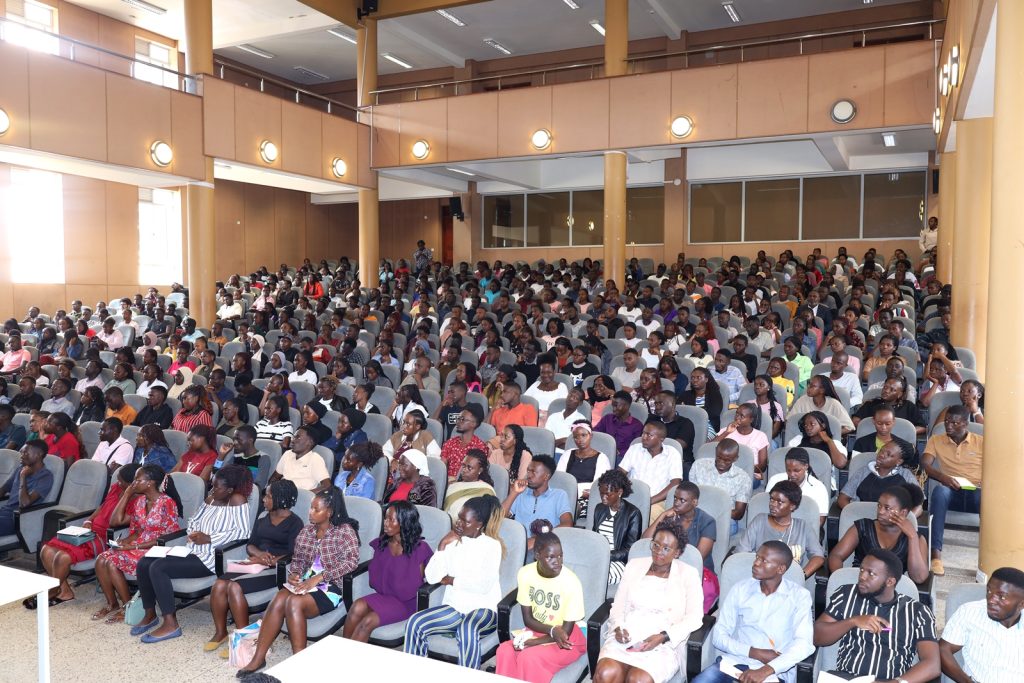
point(347, 580)
point(69, 517)
point(171, 537)
point(218, 554)
point(695, 648)
point(594, 625)
point(112, 531)
point(282, 570)
point(805, 669)
point(423, 594)
point(505, 606)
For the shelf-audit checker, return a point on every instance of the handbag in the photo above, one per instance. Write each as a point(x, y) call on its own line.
point(242, 644)
point(134, 611)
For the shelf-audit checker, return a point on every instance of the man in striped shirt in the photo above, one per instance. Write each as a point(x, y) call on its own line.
point(879, 630)
point(988, 633)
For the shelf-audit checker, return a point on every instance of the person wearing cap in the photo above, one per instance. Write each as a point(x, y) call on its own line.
point(411, 480)
point(464, 439)
point(312, 414)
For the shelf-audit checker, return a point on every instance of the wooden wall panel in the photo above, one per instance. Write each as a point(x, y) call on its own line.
point(14, 94)
point(317, 229)
point(229, 212)
point(68, 104)
point(857, 75)
point(259, 227)
point(301, 140)
point(431, 125)
point(343, 230)
point(909, 83)
point(218, 118)
point(387, 126)
point(257, 118)
point(85, 234)
point(290, 225)
point(80, 24)
point(772, 98)
point(403, 223)
point(708, 97)
point(520, 114)
point(122, 233)
point(366, 176)
point(117, 37)
point(340, 140)
point(47, 297)
point(187, 135)
point(475, 118)
point(579, 114)
point(640, 110)
point(137, 116)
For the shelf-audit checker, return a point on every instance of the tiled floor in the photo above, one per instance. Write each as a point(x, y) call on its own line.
point(85, 651)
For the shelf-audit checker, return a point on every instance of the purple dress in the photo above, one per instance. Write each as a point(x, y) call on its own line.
point(396, 580)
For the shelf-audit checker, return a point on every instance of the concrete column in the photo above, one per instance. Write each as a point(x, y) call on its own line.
point(369, 199)
point(971, 236)
point(1002, 527)
point(615, 217)
point(201, 266)
point(947, 217)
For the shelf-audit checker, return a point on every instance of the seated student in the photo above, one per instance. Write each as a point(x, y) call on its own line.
point(26, 400)
point(474, 480)
point(195, 409)
point(201, 455)
point(615, 518)
point(798, 471)
point(560, 423)
point(91, 407)
point(151, 374)
point(62, 438)
point(777, 371)
point(891, 467)
point(546, 389)
point(547, 622)
point(893, 530)
point(953, 460)
point(972, 397)
point(883, 420)
point(12, 435)
point(58, 401)
point(467, 562)
point(151, 448)
point(113, 449)
point(655, 464)
point(893, 370)
point(410, 480)
point(413, 433)
point(511, 453)
point(150, 507)
point(116, 407)
point(704, 393)
point(585, 463)
point(940, 375)
point(879, 631)
point(731, 375)
point(620, 424)
point(780, 525)
point(26, 485)
point(647, 393)
point(628, 375)
point(325, 551)
point(816, 432)
point(396, 573)
point(276, 424)
point(765, 623)
point(463, 439)
point(987, 633)
point(894, 395)
point(234, 414)
point(699, 355)
point(542, 501)
point(745, 431)
point(512, 410)
point(349, 432)
point(156, 410)
point(658, 604)
point(841, 379)
point(303, 466)
point(821, 396)
point(312, 413)
point(242, 451)
point(722, 472)
point(354, 478)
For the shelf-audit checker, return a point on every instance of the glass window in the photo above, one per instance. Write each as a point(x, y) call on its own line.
point(32, 25)
point(588, 218)
point(645, 215)
point(503, 221)
point(831, 208)
point(773, 210)
point(894, 204)
point(148, 53)
point(159, 236)
point(716, 211)
point(34, 208)
point(547, 219)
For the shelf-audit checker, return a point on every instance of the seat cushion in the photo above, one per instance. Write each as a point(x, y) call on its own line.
point(191, 586)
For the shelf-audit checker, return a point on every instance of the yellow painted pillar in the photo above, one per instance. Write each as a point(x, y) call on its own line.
point(947, 217)
point(369, 199)
point(616, 49)
point(971, 236)
point(1002, 528)
point(201, 268)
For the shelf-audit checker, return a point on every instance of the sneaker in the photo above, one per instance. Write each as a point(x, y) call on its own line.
point(937, 567)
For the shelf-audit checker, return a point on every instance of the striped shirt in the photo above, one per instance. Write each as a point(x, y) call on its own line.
point(223, 524)
point(889, 654)
point(992, 653)
point(278, 431)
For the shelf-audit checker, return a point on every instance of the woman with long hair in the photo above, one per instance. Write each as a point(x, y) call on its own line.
point(92, 407)
point(195, 410)
point(511, 454)
point(63, 439)
point(201, 454)
point(770, 407)
point(815, 432)
point(705, 394)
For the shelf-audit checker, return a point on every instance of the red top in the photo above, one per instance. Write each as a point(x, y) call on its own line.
point(195, 462)
point(66, 447)
point(101, 521)
point(401, 492)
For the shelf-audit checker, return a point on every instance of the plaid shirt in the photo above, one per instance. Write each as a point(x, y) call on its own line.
point(339, 551)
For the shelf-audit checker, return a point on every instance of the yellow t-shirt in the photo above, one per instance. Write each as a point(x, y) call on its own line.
point(787, 385)
point(552, 601)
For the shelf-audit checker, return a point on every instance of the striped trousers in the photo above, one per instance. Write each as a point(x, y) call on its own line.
point(468, 630)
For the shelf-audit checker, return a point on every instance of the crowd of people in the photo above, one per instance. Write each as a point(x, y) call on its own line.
point(795, 390)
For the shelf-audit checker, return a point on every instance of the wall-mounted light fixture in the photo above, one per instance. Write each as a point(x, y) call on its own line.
point(338, 167)
point(681, 126)
point(5, 122)
point(268, 151)
point(944, 79)
point(843, 111)
point(937, 121)
point(954, 66)
point(541, 139)
point(161, 153)
point(420, 149)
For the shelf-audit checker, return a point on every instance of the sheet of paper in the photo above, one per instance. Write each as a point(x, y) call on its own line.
point(178, 551)
point(157, 551)
point(826, 677)
point(75, 531)
point(965, 484)
point(729, 668)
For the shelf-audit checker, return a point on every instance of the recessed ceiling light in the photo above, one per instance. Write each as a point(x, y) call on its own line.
point(868, 2)
point(571, 4)
point(734, 15)
point(148, 6)
point(889, 139)
point(459, 170)
point(843, 111)
point(450, 17)
point(395, 60)
point(255, 51)
point(312, 74)
point(338, 34)
point(5, 122)
point(497, 46)
point(596, 25)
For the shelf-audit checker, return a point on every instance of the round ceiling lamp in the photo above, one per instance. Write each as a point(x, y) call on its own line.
point(541, 139)
point(843, 111)
point(268, 151)
point(161, 154)
point(5, 122)
point(338, 167)
point(681, 126)
point(420, 149)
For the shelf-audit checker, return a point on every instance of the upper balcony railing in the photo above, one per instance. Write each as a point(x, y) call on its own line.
point(724, 53)
point(253, 79)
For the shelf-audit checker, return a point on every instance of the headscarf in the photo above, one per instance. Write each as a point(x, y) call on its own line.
point(419, 459)
point(356, 417)
point(317, 407)
point(175, 390)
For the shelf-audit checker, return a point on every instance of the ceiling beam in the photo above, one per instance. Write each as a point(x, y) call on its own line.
point(345, 10)
point(665, 20)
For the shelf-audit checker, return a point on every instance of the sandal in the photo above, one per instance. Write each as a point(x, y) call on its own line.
point(29, 603)
point(116, 617)
point(54, 601)
point(103, 613)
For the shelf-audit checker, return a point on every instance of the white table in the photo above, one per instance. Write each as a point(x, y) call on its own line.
point(371, 662)
point(16, 584)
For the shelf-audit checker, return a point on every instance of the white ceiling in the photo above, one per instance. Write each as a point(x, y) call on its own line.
point(296, 35)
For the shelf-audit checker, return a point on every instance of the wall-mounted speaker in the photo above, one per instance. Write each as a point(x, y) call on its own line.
point(935, 181)
point(368, 8)
point(455, 204)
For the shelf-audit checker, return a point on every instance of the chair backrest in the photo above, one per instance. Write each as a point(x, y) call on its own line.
point(271, 448)
point(500, 477)
point(191, 489)
point(699, 418)
point(177, 441)
point(604, 443)
point(691, 556)
point(380, 478)
point(302, 504)
point(539, 441)
point(369, 515)
point(85, 484)
point(793, 425)
point(435, 522)
point(55, 464)
point(439, 473)
point(10, 460)
point(587, 554)
point(808, 510)
point(737, 568)
point(718, 504)
point(90, 432)
point(513, 536)
point(377, 427)
point(485, 432)
point(901, 428)
point(566, 482)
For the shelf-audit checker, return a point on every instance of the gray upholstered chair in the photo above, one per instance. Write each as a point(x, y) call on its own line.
point(84, 487)
point(958, 596)
point(56, 467)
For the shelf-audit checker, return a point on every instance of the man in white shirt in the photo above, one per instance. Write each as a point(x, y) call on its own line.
point(845, 380)
point(113, 449)
point(656, 465)
point(150, 378)
point(92, 377)
point(628, 376)
point(630, 310)
point(560, 422)
point(230, 309)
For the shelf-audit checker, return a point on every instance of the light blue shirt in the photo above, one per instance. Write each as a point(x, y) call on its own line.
point(362, 486)
point(782, 621)
point(550, 505)
point(733, 377)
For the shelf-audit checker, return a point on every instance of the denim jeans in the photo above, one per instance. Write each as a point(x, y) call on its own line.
point(945, 499)
point(713, 674)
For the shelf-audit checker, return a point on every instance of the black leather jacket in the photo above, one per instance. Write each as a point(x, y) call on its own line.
point(627, 529)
